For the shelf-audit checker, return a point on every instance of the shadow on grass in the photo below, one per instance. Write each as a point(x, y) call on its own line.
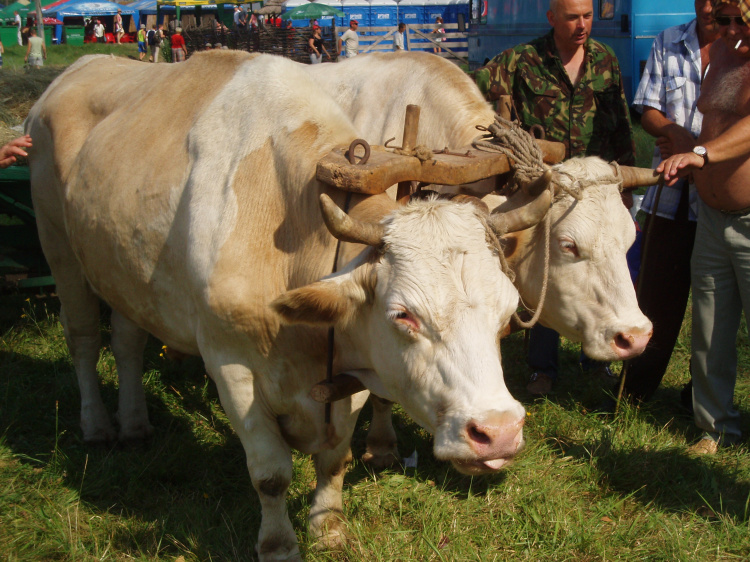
point(180, 491)
point(668, 478)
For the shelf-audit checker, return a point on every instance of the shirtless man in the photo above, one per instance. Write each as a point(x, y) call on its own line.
point(720, 165)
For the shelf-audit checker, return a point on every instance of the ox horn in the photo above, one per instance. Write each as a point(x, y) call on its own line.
point(347, 229)
point(540, 184)
point(633, 177)
point(526, 216)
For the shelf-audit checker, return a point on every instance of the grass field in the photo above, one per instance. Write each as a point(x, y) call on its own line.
point(588, 486)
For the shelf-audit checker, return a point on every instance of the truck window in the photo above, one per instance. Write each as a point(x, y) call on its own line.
point(606, 9)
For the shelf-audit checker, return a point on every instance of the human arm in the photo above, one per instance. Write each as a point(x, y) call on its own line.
point(44, 51)
point(731, 144)
point(28, 50)
point(671, 138)
point(14, 148)
point(323, 45)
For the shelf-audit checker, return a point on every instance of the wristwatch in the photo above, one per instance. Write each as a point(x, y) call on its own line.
point(703, 153)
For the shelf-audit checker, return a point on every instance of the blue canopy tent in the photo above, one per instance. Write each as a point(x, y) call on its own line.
point(89, 9)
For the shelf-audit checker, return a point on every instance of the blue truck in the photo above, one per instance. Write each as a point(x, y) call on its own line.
point(628, 26)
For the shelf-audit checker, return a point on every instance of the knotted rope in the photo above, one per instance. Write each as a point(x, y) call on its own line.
point(420, 151)
point(508, 138)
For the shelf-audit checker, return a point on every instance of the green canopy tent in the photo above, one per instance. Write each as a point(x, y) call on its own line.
point(23, 7)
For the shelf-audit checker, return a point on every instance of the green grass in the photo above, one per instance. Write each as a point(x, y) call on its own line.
point(65, 55)
point(587, 487)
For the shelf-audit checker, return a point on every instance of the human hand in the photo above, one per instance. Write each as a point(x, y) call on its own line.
point(14, 148)
point(677, 140)
point(679, 165)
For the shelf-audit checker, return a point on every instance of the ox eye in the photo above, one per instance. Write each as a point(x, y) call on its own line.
point(569, 247)
point(404, 320)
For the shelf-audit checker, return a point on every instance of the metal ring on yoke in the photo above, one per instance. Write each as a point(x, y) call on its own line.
point(350, 153)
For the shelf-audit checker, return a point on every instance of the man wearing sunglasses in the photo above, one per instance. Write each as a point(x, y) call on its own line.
point(720, 165)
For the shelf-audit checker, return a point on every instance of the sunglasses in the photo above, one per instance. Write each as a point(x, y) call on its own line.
point(726, 20)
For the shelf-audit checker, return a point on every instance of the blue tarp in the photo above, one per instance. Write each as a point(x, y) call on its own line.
point(85, 8)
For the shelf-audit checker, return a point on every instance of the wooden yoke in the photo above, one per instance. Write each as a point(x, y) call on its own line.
point(385, 168)
point(382, 167)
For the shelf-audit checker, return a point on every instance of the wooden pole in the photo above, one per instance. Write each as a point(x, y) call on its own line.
point(39, 20)
point(503, 106)
point(411, 128)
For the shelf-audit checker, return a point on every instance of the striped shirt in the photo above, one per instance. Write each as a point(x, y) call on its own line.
point(671, 83)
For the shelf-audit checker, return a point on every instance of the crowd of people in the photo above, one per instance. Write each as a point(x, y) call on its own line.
point(694, 98)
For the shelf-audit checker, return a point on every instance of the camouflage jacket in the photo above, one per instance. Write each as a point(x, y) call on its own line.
point(590, 118)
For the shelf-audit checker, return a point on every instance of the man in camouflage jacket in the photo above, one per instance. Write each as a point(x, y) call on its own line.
point(571, 85)
point(590, 117)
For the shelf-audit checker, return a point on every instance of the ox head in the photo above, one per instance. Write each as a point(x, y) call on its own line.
point(590, 295)
point(417, 316)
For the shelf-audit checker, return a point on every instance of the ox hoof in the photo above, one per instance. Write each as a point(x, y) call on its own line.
point(332, 534)
point(273, 551)
point(381, 459)
point(136, 434)
point(105, 436)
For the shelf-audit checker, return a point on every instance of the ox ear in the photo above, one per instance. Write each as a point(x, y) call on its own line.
point(329, 302)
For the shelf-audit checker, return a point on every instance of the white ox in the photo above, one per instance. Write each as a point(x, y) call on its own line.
point(208, 235)
point(590, 297)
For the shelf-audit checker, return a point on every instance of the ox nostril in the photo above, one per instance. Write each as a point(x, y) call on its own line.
point(624, 341)
point(476, 435)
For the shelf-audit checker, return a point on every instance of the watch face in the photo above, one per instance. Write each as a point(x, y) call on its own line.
point(700, 150)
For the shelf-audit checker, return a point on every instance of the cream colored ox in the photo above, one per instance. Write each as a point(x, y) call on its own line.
point(590, 296)
point(210, 237)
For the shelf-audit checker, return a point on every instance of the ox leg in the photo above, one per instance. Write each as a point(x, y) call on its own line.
point(80, 320)
point(128, 343)
point(269, 457)
point(382, 449)
point(79, 316)
point(326, 520)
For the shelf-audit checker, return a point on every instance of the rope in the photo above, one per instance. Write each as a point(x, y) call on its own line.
point(420, 151)
point(545, 278)
point(508, 138)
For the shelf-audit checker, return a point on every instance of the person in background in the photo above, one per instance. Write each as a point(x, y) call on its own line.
point(141, 37)
point(99, 31)
point(438, 30)
point(720, 265)
point(153, 38)
point(179, 50)
point(36, 51)
point(239, 18)
point(19, 25)
point(571, 85)
point(350, 40)
point(12, 150)
point(317, 47)
point(2, 50)
point(399, 41)
point(667, 96)
point(119, 29)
